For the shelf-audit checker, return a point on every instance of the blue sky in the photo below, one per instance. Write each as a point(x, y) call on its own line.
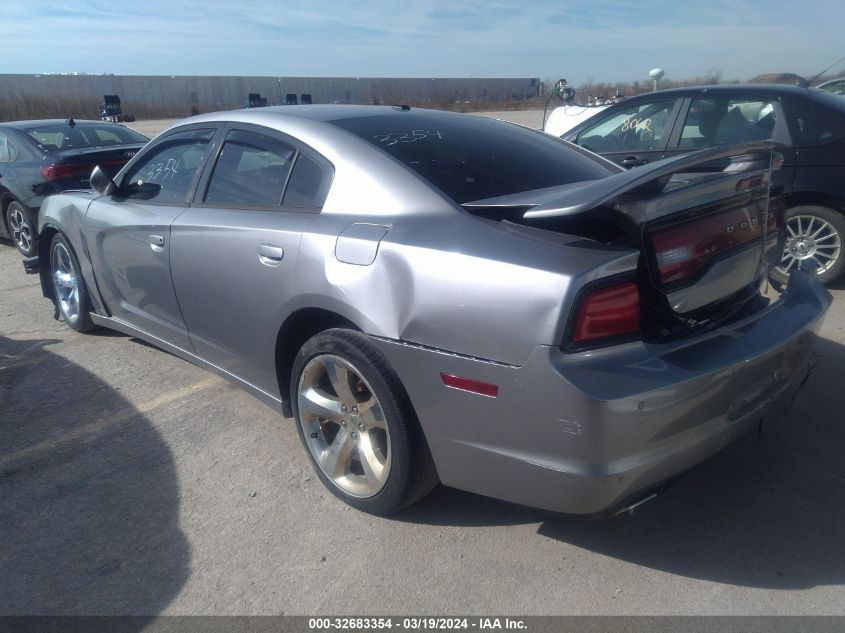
point(607, 40)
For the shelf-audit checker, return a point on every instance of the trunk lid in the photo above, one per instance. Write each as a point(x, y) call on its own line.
point(708, 225)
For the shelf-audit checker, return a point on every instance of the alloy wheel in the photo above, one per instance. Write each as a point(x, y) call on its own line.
point(65, 282)
point(20, 229)
point(344, 425)
point(810, 237)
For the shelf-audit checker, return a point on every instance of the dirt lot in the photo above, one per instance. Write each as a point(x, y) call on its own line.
point(132, 482)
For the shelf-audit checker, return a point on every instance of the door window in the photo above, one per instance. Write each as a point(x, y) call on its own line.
point(252, 169)
point(632, 129)
point(712, 122)
point(166, 173)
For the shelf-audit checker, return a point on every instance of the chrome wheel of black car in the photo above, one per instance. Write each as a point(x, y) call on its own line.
point(813, 233)
point(20, 228)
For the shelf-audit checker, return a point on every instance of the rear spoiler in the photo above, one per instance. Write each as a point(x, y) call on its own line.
point(746, 159)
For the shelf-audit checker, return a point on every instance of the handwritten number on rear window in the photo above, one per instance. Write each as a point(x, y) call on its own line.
point(392, 138)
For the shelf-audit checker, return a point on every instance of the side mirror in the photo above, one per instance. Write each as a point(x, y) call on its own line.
point(101, 182)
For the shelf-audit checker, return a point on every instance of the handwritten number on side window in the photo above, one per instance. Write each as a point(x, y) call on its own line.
point(161, 171)
point(632, 124)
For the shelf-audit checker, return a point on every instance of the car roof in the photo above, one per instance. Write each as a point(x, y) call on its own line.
point(325, 113)
point(730, 88)
point(22, 125)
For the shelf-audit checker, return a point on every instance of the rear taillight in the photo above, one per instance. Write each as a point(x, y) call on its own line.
point(608, 312)
point(58, 171)
point(62, 171)
point(684, 249)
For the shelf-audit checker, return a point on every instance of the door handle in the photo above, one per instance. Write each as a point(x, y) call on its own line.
point(632, 161)
point(270, 255)
point(157, 243)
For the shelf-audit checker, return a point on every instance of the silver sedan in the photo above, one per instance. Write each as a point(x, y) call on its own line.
point(437, 297)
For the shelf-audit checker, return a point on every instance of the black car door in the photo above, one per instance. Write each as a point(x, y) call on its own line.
point(818, 134)
point(631, 134)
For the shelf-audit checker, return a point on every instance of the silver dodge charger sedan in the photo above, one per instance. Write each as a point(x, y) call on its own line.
point(438, 297)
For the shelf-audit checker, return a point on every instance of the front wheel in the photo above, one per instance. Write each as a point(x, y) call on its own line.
point(21, 228)
point(357, 424)
point(813, 232)
point(69, 289)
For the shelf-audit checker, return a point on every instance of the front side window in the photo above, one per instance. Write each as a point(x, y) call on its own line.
point(714, 122)
point(8, 153)
point(252, 169)
point(166, 173)
point(633, 129)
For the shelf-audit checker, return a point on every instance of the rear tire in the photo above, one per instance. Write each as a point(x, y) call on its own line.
point(813, 232)
point(69, 290)
point(357, 424)
point(21, 227)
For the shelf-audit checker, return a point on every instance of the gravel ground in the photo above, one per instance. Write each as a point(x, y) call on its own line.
point(132, 482)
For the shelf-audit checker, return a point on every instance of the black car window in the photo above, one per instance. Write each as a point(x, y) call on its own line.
point(166, 172)
point(713, 122)
point(308, 185)
point(836, 87)
point(252, 169)
point(635, 128)
point(471, 157)
point(79, 136)
point(8, 152)
point(815, 123)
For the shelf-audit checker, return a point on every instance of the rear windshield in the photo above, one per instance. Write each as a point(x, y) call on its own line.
point(63, 136)
point(471, 158)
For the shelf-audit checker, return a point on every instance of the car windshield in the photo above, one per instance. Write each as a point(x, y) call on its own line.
point(471, 157)
point(60, 136)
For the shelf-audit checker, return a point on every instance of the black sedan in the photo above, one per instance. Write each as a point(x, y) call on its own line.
point(810, 122)
point(39, 158)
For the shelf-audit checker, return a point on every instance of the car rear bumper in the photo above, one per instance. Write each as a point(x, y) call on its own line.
point(585, 433)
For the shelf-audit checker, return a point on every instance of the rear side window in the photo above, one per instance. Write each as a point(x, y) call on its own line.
point(471, 158)
point(63, 136)
point(252, 169)
point(165, 173)
point(714, 122)
point(815, 123)
point(307, 186)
